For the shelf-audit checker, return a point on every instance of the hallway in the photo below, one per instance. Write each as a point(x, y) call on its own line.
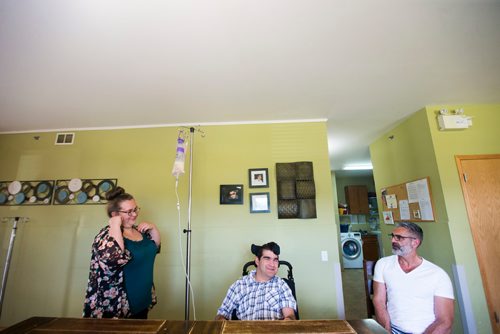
point(353, 285)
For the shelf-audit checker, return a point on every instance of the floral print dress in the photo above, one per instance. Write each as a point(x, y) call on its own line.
point(106, 296)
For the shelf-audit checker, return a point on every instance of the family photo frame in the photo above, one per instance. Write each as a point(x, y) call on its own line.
point(258, 178)
point(231, 194)
point(259, 203)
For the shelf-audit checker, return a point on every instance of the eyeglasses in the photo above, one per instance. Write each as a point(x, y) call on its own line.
point(130, 212)
point(399, 237)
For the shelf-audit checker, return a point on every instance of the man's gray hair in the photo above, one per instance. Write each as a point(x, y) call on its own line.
point(414, 229)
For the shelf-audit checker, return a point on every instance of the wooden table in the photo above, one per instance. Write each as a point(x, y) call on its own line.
point(45, 325)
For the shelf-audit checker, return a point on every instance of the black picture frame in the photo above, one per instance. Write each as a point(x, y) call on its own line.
point(258, 178)
point(231, 194)
point(260, 203)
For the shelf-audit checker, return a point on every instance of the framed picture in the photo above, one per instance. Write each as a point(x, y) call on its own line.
point(231, 194)
point(259, 202)
point(258, 178)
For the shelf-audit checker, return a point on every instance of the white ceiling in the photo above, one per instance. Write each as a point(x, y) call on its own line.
point(362, 64)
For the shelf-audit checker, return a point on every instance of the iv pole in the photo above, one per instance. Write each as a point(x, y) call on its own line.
point(188, 230)
point(7, 260)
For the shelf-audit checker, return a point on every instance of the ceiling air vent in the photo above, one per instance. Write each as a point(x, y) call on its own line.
point(65, 138)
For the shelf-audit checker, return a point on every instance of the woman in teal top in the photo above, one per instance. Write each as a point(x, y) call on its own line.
point(120, 282)
point(139, 274)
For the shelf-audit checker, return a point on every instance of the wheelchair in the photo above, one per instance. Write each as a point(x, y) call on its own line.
point(289, 280)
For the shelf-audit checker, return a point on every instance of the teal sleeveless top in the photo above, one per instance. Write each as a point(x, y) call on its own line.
point(138, 273)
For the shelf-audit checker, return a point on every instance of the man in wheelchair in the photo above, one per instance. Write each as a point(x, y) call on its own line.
point(260, 295)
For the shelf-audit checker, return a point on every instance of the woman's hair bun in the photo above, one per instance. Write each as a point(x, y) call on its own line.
point(114, 193)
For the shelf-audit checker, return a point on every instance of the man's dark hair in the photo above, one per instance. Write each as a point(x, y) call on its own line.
point(414, 230)
point(272, 246)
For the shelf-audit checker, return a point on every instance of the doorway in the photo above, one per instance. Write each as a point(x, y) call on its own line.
point(357, 226)
point(480, 180)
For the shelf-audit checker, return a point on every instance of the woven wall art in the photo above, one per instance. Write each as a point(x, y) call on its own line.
point(296, 190)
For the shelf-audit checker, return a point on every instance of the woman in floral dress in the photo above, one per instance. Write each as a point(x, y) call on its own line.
point(120, 281)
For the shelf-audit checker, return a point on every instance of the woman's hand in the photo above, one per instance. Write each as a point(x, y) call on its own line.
point(115, 222)
point(146, 227)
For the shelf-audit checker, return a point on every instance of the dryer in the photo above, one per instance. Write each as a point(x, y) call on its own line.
point(352, 249)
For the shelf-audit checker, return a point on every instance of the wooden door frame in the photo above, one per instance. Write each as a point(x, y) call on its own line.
point(458, 160)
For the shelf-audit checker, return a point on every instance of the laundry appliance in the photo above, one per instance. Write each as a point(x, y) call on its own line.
point(352, 249)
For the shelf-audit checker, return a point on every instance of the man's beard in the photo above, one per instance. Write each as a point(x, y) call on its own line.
point(400, 250)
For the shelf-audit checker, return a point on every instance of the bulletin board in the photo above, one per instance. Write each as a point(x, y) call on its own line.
point(409, 201)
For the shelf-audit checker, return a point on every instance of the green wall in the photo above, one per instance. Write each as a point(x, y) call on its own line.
point(418, 149)
point(482, 138)
point(51, 256)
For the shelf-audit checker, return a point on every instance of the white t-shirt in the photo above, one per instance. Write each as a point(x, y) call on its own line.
point(410, 296)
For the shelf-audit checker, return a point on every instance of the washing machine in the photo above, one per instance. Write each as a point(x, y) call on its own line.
point(352, 249)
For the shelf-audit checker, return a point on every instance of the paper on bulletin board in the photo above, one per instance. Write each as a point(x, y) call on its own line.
point(392, 202)
point(404, 209)
point(426, 210)
point(388, 219)
point(383, 191)
point(418, 191)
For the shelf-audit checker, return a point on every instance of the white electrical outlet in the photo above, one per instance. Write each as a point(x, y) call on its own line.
point(324, 256)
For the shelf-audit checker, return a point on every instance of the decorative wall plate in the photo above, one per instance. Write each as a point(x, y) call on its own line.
point(104, 186)
point(43, 190)
point(15, 187)
point(81, 198)
point(3, 198)
point(74, 185)
point(62, 195)
point(19, 198)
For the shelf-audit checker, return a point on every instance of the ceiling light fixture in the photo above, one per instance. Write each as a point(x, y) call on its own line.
point(358, 167)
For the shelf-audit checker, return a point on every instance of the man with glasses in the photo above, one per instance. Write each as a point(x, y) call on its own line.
point(260, 295)
point(411, 294)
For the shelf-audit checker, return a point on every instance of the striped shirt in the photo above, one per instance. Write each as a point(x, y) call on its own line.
point(257, 300)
